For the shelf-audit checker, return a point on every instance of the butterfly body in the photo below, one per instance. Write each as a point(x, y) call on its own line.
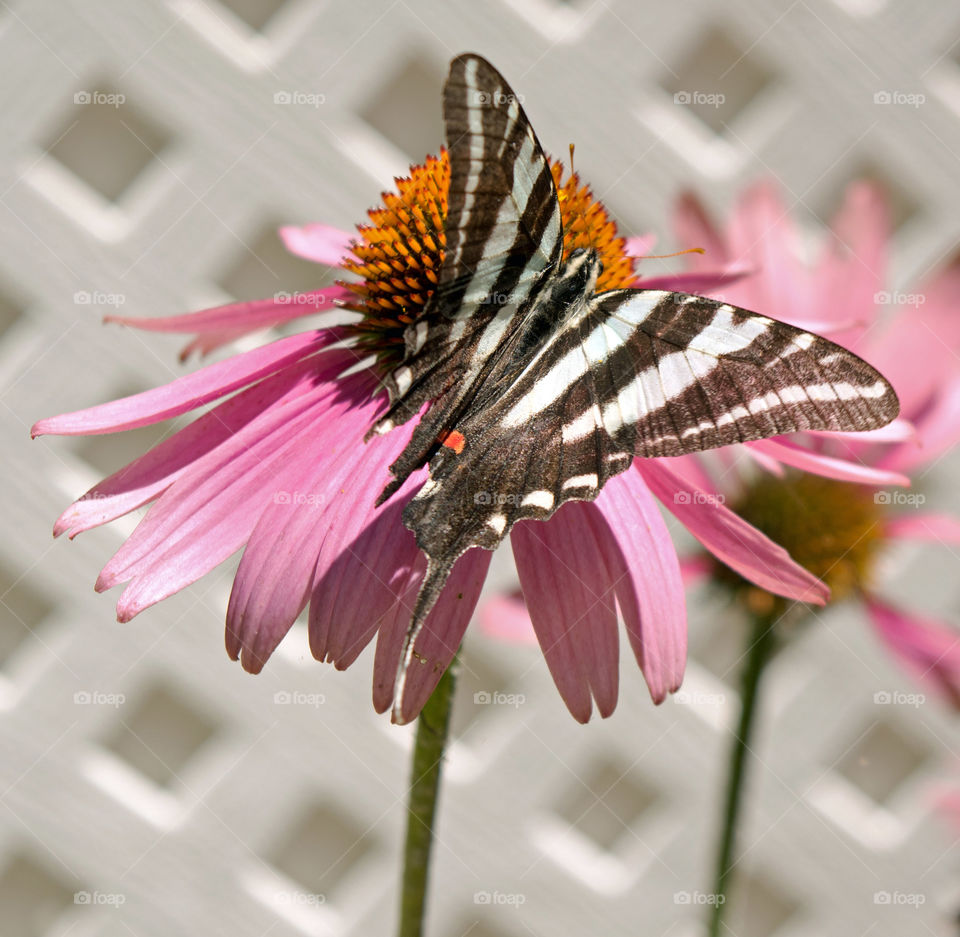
point(549, 388)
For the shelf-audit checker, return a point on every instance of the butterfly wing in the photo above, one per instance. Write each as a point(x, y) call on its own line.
point(638, 373)
point(503, 240)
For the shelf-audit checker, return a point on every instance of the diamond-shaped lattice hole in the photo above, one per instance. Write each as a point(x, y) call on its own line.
point(255, 13)
point(112, 451)
point(264, 267)
point(760, 908)
point(396, 110)
point(32, 898)
point(106, 141)
point(881, 760)
point(717, 79)
point(160, 735)
point(481, 690)
point(606, 805)
point(22, 610)
point(320, 848)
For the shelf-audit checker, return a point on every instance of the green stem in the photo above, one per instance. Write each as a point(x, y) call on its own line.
point(432, 727)
point(759, 652)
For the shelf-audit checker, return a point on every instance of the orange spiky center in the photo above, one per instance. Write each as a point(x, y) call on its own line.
point(399, 254)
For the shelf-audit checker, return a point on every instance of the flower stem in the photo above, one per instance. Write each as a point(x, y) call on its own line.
point(432, 727)
point(760, 649)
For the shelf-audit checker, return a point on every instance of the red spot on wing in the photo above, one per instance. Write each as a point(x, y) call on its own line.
point(452, 439)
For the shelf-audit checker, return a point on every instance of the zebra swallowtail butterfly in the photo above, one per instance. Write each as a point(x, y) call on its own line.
point(542, 388)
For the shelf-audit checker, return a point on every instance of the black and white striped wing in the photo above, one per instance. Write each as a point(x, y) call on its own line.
point(640, 372)
point(503, 241)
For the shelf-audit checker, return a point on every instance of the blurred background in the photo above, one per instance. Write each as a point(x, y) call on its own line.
point(147, 785)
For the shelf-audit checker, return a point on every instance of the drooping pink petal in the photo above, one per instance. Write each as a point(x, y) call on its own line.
point(149, 476)
point(898, 430)
point(730, 538)
point(276, 574)
point(188, 392)
point(640, 556)
point(694, 228)
point(320, 243)
point(699, 282)
point(367, 559)
point(212, 510)
point(937, 528)
point(828, 466)
point(938, 430)
point(436, 644)
point(241, 318)
point(930, 650)
point(570, 593)
point(505, 617)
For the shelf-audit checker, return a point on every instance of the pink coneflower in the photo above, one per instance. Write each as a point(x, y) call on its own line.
point(280, 469)
point(830, 525)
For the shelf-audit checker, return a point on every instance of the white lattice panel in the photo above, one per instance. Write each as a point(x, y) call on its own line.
point(139, 766)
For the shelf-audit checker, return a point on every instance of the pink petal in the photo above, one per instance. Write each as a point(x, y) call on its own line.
point(730, 538)
point(149, 476)
point(506, 618)
point(335, 476)
point(829, 467)
point(317, 242)
point(188, 392)
point(365, 564)
point(928, 649)
point(898, 430)
point(694, 228)
point(570, 593)
point(436, 644)
point(212, 510)
point(642, 559)
point(241, 318)
point(698, 282)
point(939, 528)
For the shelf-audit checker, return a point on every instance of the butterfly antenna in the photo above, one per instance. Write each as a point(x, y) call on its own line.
point(689, 250)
